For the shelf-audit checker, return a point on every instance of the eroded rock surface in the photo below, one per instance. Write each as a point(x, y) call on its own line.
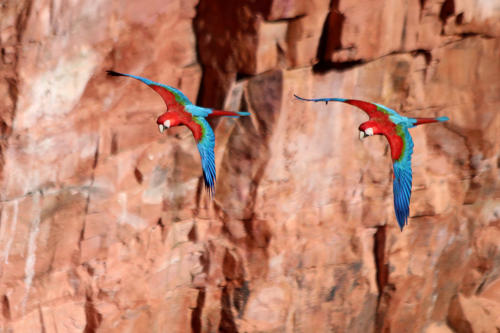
point(105, 226)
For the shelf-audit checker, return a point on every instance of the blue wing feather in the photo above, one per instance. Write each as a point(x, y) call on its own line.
point(393, 115)
point(403, 179)
point(179, 96)
point(206, 148)
point(198, 111)
point(326, 100)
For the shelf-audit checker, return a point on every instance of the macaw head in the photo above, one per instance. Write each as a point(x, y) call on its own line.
point(167, 120)
point(368, 128)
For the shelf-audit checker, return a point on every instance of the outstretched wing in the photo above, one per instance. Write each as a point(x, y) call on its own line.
point(169, 94)
point(206, 145)
point(373, 110)
point(402, 173)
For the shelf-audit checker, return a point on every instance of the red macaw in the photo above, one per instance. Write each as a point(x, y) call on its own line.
point(394, 127)
point(180, 111)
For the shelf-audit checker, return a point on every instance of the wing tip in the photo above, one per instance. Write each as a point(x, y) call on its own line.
point(209, 184)
point(211, 190)
point(326, 100)
point(402, 223)
point(402, 215)
point(113, 73)
point(402, 183)
point(402, 210)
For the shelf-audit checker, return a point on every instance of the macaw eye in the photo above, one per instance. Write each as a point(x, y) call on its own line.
point(369, 131)
point(166, 123)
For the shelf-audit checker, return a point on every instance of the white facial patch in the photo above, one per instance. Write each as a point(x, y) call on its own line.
point(161, 127)
point(166, 123)
point(369, 131)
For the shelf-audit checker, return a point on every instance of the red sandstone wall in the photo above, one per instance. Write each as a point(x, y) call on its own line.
point(104, 225)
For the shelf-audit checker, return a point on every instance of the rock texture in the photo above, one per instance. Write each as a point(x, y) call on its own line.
point(104, 223)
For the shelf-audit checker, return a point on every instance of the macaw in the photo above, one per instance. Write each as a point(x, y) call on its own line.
point(394, 127)
point(180, 111)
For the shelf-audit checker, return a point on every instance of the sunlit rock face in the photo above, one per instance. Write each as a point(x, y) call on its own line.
point(105, 226)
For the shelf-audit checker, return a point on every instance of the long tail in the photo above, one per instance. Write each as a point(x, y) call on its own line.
point(420, 121)
point(326, 100)
point(222, 113)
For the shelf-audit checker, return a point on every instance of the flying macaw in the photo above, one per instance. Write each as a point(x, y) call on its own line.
point(394, 127)
point(180, 111)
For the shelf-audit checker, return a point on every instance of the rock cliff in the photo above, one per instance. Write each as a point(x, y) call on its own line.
point(105, 226)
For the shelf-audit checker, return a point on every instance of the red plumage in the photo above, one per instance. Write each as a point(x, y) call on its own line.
point(222, 113)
